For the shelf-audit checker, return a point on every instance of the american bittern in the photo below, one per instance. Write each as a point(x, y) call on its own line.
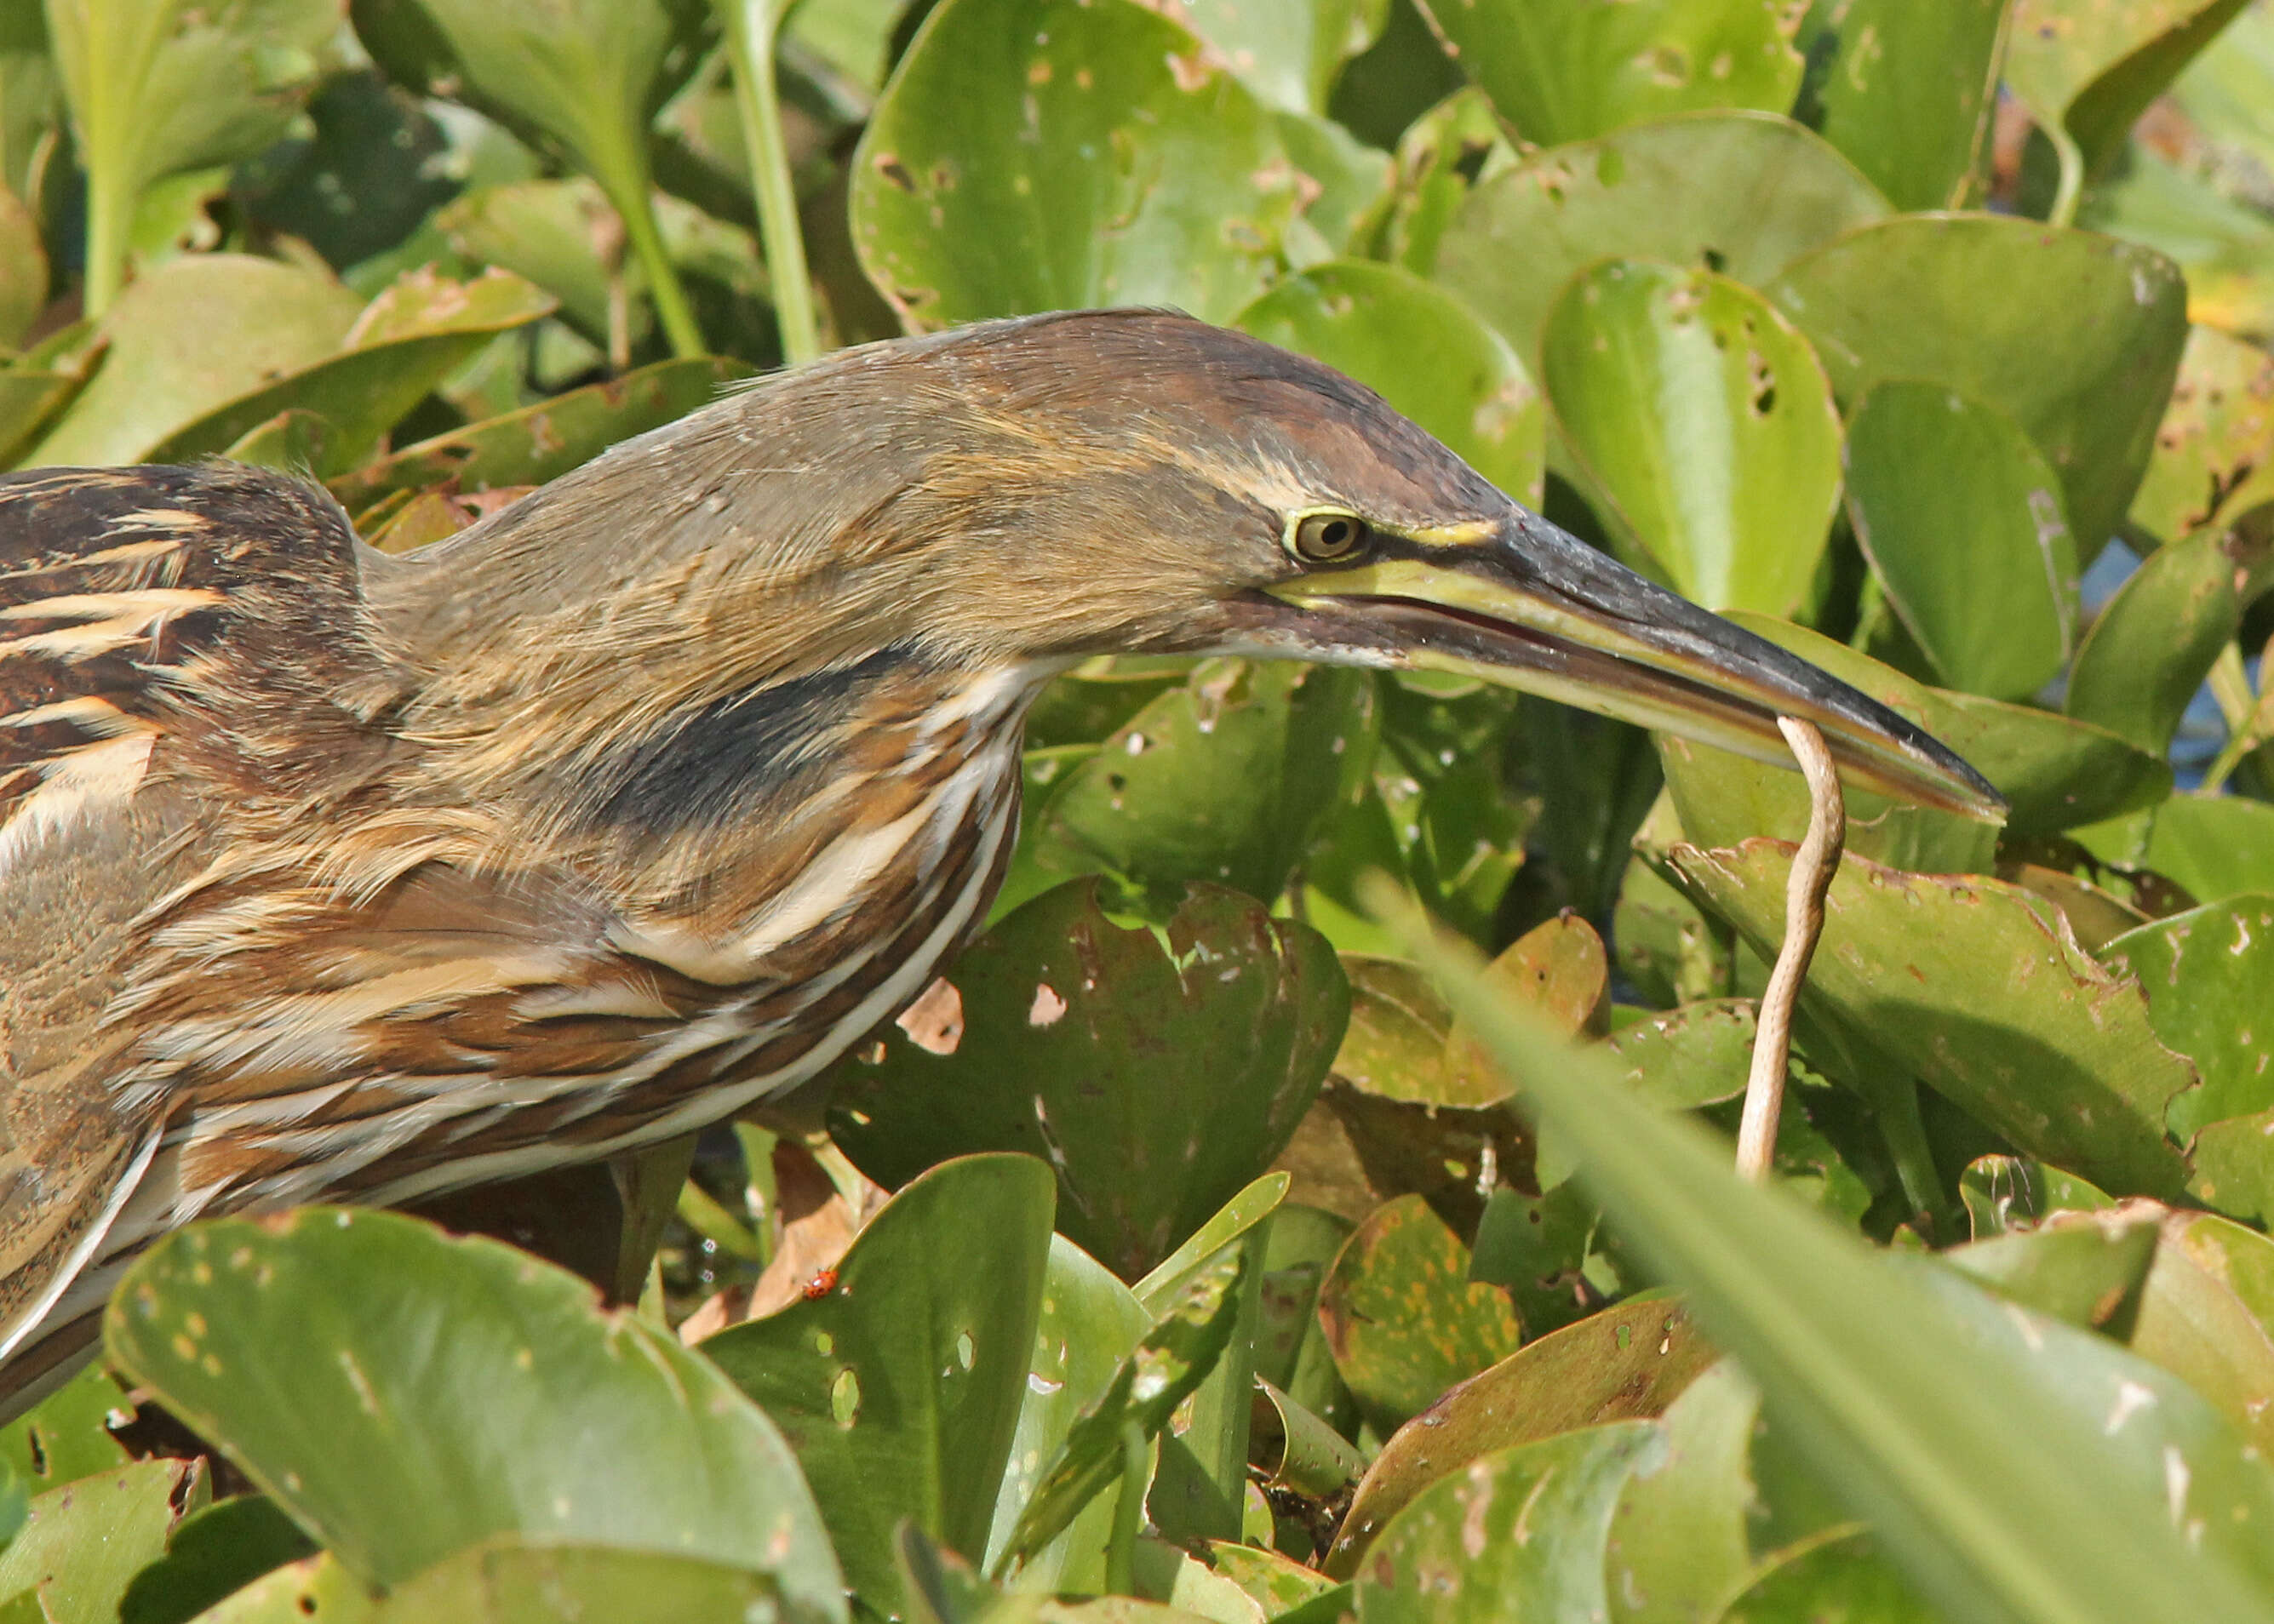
point(330, 874)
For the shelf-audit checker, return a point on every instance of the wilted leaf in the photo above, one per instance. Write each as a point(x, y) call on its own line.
point(2215, 446)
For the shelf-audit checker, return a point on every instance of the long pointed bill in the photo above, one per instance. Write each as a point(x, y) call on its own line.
point(1525, 604)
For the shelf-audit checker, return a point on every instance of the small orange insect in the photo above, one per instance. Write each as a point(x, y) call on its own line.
point(821, 1285)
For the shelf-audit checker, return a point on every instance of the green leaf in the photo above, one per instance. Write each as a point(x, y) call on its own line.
point(2153, 643)
point(1402, 1318)
point(1089, 1323)
point(1961, 520)
point(543, 441)
point(2215, 846)
point(1224, 780)
point(406, 342)
point(1694, 1056)
point(1840, 1574)
point(1962, 980)
point(195, 332)
point(1288, 52)
point(404, 1394)
point(2094, 69)
point(1292, 1448)
point(157, 86)
point(64, 1438)
point(2209, 974)
point(1703, 417)
point(1245, 1212)
point(1567, 70)
point(320, 1587)
point(1976, 1446)
point(1163, 1370)
point(1628, 1361)
point(1291, 1350)
point(2089, 1274)
point(1679, 1537)
point(1905, 91)
point(900, 1390)
point(23, 269)
point(2006, 1194)
point(2074, 336)
point(1742, 193)
point(1538, 1247)
point(2207, 1316)
point(1426, 353)
point(2215, 448)
point(1162, 179)
point(1109, 1050)
point(1520, 1534)
point(84, 1542)
point(209, 1555)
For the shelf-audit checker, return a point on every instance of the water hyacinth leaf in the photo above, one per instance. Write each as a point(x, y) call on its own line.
point(1288, 52)
point(1566, 69)
point(65, 1436)
point(1230, 1225)
point(406, 342)
point(2209, 974)
point(1445, 153)
point(294, 441)
point(1962, 980)
point(1402, 1316)
point(156, 86)
point(1394, 1047)
point(1290, 1349)
point(1703, 416)
point(212, 1554)
point(2056, 772)
point(1905, 91)
point(1089, 1323)
point(1840, 1574)
point(1518, 1533)
point(1158, 1077)
point(2096, 917)
point(2006, 1194)
point(1964, 301)
point(2214, 447)
point(195, 332)
point(23, 269)
point(1290, 1447)
point(1560, 970)
point(29, 401)
point(1629, 1361)
point(1224, 780)
point(979, 190)
point(900, 1389)
point(82, 1544)
point(1164, 1369)
point(2090, 1274)
point(1680, 1537)
point(1693, 1056)
point(2094, 69)
point(543, 441)
point(1424, 352)
point(462, 1389)
point(1977, 560)
point(1976, 1447)
point(2203, 1317)
point(2216, 846)
point(2153, 643)
point(1536, 1247)
point(1742, 193)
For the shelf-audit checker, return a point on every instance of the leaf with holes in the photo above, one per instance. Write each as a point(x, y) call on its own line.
point(1905, 91)
point(84, 1543)
point(2214, 447)
point(900, 1388)
point(2209, 974)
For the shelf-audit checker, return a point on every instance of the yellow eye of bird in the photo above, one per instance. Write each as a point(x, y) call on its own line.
point(1330, 538)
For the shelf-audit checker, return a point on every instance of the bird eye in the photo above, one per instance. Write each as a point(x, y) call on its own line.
point(1330, 538)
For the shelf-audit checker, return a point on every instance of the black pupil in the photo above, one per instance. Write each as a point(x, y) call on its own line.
point(1334, 533)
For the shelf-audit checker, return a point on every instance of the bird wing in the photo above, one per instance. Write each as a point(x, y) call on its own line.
point(135, 605)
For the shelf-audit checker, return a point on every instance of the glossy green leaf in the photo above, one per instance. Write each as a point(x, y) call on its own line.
point(2215, 448)
point(2094, 67)
point(1292, 1448)
point(1289, 51)
point(1229, 1223)
point(1107, 1050)
point(900, 1389)
point(212, 1554)
point(1519, 1533)
point(1290, 1349)
point(1961, 520)
point(2089, 1274)
point(1679, 1537)
point(1839, 1574)
point(1089, 1323)
point(1426, 352)
point(2209, 974)
point(2215, 846)
point(1962, 980)
point(983, 186)
point(1977, 1446)
point(2056, 772)
point(404, 344)
point(1165, 1368)
point(156, 86)
point(29, 401)
point(1536, 1247)
point(1905, 91)
point(2074, 336)
point(2204, 1316)
point(2003, 1193)
point(195, 332)
point(1402, 1316)
point(1566, 69)
point(1629, 1361)
point(1695, 1055)
point(84, 1542)
point(2153, 643)
point(1444, 154)
point(64, 1437)
point(543, 441)
point(404, 1394)
point(1742, 193)
point(1703, 417)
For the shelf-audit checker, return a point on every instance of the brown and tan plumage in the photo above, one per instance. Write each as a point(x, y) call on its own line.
point(328, 874)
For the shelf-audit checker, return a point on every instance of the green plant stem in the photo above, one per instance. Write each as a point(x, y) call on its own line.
point(1128, 1514)
point(663, 284)
point(2071, 188)
point(750, 37)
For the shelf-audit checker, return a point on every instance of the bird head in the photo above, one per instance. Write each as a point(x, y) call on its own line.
point(1022, 494)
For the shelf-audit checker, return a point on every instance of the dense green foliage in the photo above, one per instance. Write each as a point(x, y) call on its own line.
point(1237, 1262)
